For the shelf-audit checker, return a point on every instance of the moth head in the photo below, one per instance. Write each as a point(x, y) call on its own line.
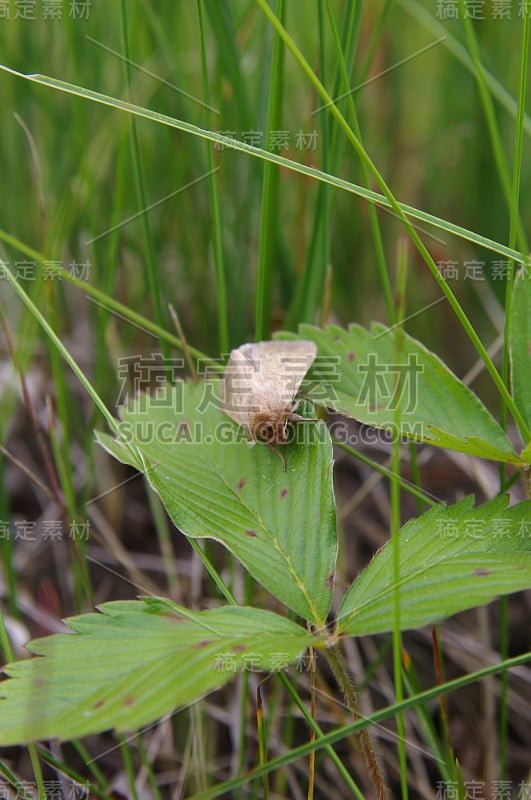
point(264, 428)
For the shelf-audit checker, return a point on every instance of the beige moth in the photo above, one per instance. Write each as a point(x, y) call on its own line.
point(260, 384)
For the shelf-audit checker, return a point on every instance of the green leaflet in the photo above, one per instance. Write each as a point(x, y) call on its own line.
point(135, 662)
point(279, 524)
point(450, 559)
point(356, 374)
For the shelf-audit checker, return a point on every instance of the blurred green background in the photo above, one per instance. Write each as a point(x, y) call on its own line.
point(419, 113)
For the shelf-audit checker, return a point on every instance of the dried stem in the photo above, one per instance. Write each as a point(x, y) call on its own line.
point(338, 667)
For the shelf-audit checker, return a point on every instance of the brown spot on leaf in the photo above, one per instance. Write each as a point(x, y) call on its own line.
point(116, 795)
point(284, 493)
point(481, 572)
point(183, 431)
point(238, 648)
point(129, 700)
point(241, 483)
point(204, 643)
point(351, 356)
point(251, 533)
point(329, 580)
point(99, 703)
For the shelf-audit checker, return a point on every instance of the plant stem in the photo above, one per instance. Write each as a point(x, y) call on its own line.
point(350, 696)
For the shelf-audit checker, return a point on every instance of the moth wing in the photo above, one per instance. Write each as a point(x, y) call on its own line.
point(284, 366)
point(239, 386)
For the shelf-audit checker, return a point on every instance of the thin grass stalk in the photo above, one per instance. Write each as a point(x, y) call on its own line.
point(270, 209)
point(401, 385)
point(375, 226)
point(353, 728)
point(7, 553)
point(221, 281)
point(350, 697)
point(153, 280)
point(494, 133)
point(342, 770)
point(127, 759)
point(106, 302)
point(421, 247)
point(514, 223)
point(265, 155)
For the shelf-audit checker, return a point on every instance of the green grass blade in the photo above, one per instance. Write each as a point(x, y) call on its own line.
point(222, 23)
point(151, 261)
point(109, 303)
point(415, 238)
point(516, 325)
point(270, 216)
point(244, 147)
point(55, 340)
point(494, 132)
point(375, 226)
point(428, 19)
point(520, 330)
point(399, 378)
point(221, 283)
point(516, 354)
point(345, 731)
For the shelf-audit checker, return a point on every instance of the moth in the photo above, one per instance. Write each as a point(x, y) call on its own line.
point(260, 384)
